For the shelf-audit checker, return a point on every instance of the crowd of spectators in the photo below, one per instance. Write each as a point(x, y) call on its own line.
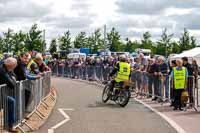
point(151, 77)
point(26, 66)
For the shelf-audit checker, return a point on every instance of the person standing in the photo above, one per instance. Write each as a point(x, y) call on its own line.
point(150, 70)
point(8, 77)
point(164, 81)
point(195, 68)
point(179, 77)
point(190, 78)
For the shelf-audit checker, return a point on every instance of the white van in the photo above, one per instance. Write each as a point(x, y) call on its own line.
point(146, 52)
point(76, 55)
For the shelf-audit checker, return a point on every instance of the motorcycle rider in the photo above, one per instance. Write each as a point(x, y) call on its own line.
point(123, 70)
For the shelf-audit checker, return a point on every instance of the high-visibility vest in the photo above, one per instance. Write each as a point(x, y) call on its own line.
point(29, 65)
point(124, 72)
point(179, 78)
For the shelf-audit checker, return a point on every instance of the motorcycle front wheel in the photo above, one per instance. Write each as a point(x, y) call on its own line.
point(106, 94)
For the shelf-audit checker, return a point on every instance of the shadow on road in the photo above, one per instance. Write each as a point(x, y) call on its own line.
point(99, 104)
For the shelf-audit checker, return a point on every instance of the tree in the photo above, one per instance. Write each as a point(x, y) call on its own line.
point(53, 46)
point(34, 39)
point(65, 41)
point(1, 44)
point(80, 40)
point(164, 45)
point(193, 42)
point(95, 42)
point(175, 47)
point(185, 41)
point(19, 42)
point(113, 38)
point(129, 46)
point(146, 41)
point(8, 42)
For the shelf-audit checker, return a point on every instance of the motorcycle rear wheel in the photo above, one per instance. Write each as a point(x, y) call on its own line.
point(123, 97)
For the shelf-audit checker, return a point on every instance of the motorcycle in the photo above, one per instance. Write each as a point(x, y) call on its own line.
point(120, 94)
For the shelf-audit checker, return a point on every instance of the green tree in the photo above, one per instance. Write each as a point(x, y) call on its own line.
point(19, 42)
point(184, 41)
point(114, 42)
point(146, 41)
point(129, 46)
point(1, 44)
point(175, 47)
point(80, 40)
point(8, 42)
point(95, 42)
point(34, 39)
point(193, 42)
point(53, 46)
point(164, 45)
point(65, 41)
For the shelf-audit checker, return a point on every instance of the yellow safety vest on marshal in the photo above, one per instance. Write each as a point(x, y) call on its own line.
point(179, 78)
point(124, 72)
point(29, 65)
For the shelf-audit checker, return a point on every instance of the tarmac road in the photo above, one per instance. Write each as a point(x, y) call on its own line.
point(90, 115)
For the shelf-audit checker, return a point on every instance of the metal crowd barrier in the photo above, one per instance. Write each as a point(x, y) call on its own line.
point(144, 84)
point(17, 103)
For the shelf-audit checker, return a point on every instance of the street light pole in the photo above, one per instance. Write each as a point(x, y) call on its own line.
point(105, 45)
point(43, 41)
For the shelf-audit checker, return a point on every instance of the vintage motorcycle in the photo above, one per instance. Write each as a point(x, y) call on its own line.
point(120, 94)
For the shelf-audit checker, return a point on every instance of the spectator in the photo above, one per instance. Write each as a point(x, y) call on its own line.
point(33, 67)
point(98, 68)
point(143, 70)
point(151, 69)
point(136, 73)
point(105, 68)
point(164, 81)
point(195, 68)
point(37, 66)
point(22, 73)
point(7, 77)
point(45, 59)
point(179, 77)
point(173, 64)
point(190, 78)
point(157, 75)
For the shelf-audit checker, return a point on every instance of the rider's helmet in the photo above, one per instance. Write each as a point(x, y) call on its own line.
point(122, 58)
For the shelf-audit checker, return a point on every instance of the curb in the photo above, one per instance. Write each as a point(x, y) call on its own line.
point(51, 96)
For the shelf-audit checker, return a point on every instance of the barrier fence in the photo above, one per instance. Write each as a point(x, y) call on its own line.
point(18, 102)
point(144, 84)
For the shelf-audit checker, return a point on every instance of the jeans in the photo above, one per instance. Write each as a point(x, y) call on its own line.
point(98, 71)
point(166, 83)
point(105, 73)
point(10, 112)
point(150, 83)
point(157, 91)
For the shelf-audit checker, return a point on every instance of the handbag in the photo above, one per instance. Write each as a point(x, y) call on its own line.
point(184, 96)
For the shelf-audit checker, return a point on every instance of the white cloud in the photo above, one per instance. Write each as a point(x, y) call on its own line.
point(130, 17)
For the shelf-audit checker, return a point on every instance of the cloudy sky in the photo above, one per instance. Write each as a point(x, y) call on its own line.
point(130, 17)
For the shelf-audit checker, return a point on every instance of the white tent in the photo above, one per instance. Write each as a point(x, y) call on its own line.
point(191, 54)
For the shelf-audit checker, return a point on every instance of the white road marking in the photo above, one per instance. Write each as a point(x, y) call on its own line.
point(170, 121)
point(67, 118)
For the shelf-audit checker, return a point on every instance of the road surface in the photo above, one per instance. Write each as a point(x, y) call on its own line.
point(90, 115)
